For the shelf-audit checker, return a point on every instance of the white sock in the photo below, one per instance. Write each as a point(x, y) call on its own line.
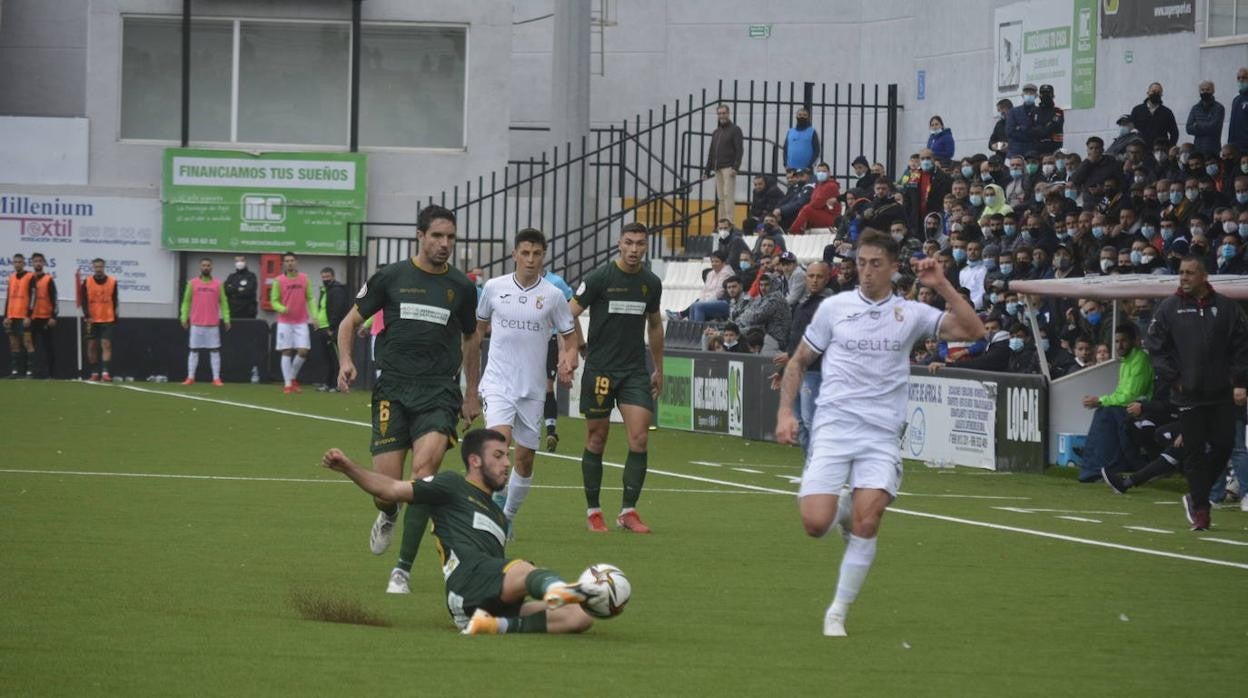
point(286, 369)
point(593, 510)
point(517, 489)
point(502, 625)
point(855, 564)
point(296, 363)
point(552, 422)
point(214, 357)
point(192, 363)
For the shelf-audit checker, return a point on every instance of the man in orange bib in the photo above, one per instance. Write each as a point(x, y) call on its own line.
point(17, 318)
point(99, 314)
point(42, 316)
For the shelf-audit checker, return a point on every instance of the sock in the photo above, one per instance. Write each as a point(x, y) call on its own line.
point(591, 475)
point(192, 364)
point(296, 363)
point(286, 369)
point(391, 511)
point(414, 525)
point(532, 623)
point(104, 367)
point(214, 357)
point(551, 411)
point(854, 567)
point(538, 581)
point(517, 489)
point(634, 477)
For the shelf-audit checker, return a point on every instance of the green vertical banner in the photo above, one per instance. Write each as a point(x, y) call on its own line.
point(234, 201)
point(676, 400)
point(1083, 63)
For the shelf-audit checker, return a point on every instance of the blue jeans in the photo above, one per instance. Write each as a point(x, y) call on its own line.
point(705, 311)
point(1239, 462)
point(805, 407)
point(1108, 445)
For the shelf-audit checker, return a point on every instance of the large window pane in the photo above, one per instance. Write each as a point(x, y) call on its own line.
point(1241, 17)
point(293, 83)
point(412, 86)
point(151, 79)
point(1221, 18)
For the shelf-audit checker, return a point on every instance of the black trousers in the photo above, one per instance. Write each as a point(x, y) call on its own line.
point(1208, 437)
point(331, 357)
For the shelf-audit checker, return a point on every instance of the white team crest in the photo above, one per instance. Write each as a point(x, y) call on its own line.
point(897, 314)
point(363, 290)
point(580, 290)
point(537, 303)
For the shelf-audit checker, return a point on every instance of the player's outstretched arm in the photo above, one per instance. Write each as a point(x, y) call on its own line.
point(346, 340)
point(374, 483)
point(786, 421)
point(961, 324)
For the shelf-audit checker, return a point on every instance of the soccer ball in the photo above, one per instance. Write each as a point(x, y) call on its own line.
point(607, 588)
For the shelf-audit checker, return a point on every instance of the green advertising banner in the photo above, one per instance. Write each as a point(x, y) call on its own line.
point(1083, 71)
point(233, 201)
point(676, 401)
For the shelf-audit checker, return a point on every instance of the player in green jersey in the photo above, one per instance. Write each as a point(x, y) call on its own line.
point(429, 308)
point(485, 592)
point(623, 300)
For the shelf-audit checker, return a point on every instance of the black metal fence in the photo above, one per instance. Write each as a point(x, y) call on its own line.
point(651, 169)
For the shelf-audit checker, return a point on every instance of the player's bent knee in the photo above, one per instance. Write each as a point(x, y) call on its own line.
point(817, 525)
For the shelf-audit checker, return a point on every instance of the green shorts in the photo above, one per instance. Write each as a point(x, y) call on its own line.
point(603, 390)
point(405, 412)
point(478, 583)
point(18, 326)
point(101, 330)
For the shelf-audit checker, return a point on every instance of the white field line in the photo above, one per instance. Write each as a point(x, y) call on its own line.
point(756, 488)
point(1147, 529)
point(1077, 518)
point(1223, 540)
point(748, 470)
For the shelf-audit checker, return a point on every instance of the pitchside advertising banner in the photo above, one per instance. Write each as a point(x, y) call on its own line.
point(1120, 18)
point(72, 230)
point(1047, 41)
point(232, 201)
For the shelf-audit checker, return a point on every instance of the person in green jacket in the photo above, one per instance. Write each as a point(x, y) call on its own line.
point(1108, 445)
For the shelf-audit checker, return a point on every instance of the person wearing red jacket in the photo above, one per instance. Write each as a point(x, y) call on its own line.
point(824, 209)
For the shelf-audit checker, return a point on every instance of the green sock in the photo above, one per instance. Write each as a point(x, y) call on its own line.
point(591, 474)
point(414, 523)
point(538, 581)
point(532, 623)
point(104, 367)
point(634, 477)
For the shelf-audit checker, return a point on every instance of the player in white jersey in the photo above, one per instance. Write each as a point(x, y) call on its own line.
point(865, 337)
point(519, 312)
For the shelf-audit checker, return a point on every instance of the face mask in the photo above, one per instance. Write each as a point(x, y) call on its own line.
point(926, 165)
point(1139, 179)
point(745, 265)
point(1072, 194)
point(1039, 197)
point(1211, 168)
point(1147, 259)
point(1094, 318)
point(1123, 130)
point(1062, 262)
point(1227, 252)
point(1241, 197)
point(802, 121)
point(1064, 235)
point(1016, 343)
point(1206, 97)
point(1061, 165)
point(1011, 308)
point(1198, 230)
point(723, 235)
point(986, 176)
point(959, 255)
point(821, 176)
point(1016, 172)
point(1107, 264)
point(1154, 98)
point(967, 171)
point(1044, 345)
point(1007, 269)
point(936, 130)
point(729, 345)
point(977, 200)
point(1032, 168)
point(1231, 227)
point(898, 237)
point(990, 265)
point(956, 227)
point(1048, 169)
point(991, 200)
point(994, 298)
point(1136, 257)
point(1098, 231)
point(1159, 155)
point(1147, 231)
point(1167, 233)
point(1029, 100)
point(1176, 197)
point(240, 265)
point(1243, 86)
point(1009, 230)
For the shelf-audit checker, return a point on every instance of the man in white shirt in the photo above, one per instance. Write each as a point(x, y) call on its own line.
point(972, 275)
point(519, 311)
point(865, 337)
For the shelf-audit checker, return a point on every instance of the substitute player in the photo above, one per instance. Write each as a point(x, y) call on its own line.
point(17, 318)
point(429, 309)
point(204, 307)
point(291, 297)
point(519, 311)
point(485, 591)
point(623, 300)
point(43, 314)
point(99, 314)
point(865, 337)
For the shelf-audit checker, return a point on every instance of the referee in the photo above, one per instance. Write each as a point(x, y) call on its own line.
point(1198, 343)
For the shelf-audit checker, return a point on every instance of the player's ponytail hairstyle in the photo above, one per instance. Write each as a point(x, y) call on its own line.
point(474, 443)
point(881, 241)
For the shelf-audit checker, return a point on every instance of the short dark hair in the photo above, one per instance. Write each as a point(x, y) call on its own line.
point(1198, 259)
point(1095, 139)
point(1129, 329)
point(473, 443)
point(881, 241)
point(18, 255)
point(97, 259)
point(731, 280)
point(1082, 338)
point(716, 254)
point(634, 227)
point(732, 327)
point(288, 253)
point(327, 269)
point(37, 254)
point(726, 220)
point(532, 235)
point(755, 337)
point(1003, 103)
point(431, 213)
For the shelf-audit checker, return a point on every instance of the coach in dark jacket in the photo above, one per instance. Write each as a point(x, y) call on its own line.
point(1154, 120)
point(1204, 122)
point(240, 290)
point(1198, 344)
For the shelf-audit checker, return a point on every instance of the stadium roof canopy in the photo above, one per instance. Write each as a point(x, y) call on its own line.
point(1126, 286)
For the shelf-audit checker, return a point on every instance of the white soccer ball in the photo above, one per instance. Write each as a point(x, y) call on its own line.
point(608, 590)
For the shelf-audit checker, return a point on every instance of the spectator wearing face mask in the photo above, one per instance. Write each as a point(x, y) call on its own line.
point(766, 196)
point(940, 140)
point(862, 170)
point(1237, 135)
point(1050, 123)
point(885, 209)
point(1230, 257)
point(1127, 135)
point(240, 290)
point(801, 144)
point(1204, 122)
point(1154, 120)
point(994, 203)
point(1020, 124)
point(1023, 356)
point(998, 141)
point(1018, 189)
point(970, 257)
point(824, 208)
point(770, 232)
point(729, 244)
point(1094, 170)
point(769, 312)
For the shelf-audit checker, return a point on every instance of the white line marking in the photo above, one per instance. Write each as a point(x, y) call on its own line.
point(262, 408)
point(787, 493)
point(713, 464)
point(964, 496)
point(1223, 540)
point(704, 462)
point(1077, 518)
point(748, 470)
point(1031, 510)
point(1146, 529)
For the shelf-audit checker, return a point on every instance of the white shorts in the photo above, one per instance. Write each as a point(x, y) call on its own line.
point(205, 337)
point(523, 415)
point(861, 456)
point(293, 336)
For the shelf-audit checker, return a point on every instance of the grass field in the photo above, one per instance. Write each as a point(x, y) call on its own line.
point(152, 545)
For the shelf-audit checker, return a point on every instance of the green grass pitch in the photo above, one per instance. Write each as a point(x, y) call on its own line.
point(152, 545)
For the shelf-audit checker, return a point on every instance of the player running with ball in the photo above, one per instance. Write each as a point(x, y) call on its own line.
point(865, 337)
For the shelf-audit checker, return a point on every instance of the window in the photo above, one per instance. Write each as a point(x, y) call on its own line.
point(289, 82)
point(1227, 18)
